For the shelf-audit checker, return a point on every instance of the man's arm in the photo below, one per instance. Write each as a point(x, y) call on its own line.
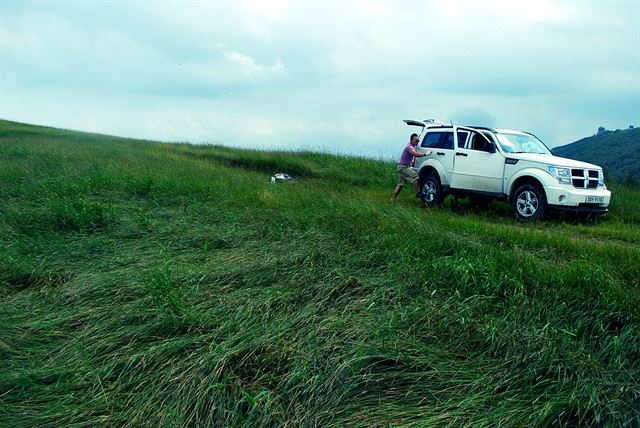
point(420, 154)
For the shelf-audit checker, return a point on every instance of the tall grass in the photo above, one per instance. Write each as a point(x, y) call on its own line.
point(145, 284)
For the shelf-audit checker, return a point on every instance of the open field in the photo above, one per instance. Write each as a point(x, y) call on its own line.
point(148, 284)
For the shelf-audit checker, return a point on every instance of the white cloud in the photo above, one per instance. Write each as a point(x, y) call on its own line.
point(326, 74)
point(250, 68)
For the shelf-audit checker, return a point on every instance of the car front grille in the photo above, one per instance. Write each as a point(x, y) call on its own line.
point(585, 178)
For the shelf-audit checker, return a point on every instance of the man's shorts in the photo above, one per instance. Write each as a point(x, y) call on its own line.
point(406, 174)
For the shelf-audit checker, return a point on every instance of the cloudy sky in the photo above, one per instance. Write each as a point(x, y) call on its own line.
point(327, 75)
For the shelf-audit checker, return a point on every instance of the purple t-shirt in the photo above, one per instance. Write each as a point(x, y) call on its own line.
point(406, 158)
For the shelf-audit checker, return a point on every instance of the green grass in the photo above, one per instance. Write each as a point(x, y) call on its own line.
point(149, 284)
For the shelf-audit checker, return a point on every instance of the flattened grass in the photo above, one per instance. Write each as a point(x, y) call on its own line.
point(147, 284)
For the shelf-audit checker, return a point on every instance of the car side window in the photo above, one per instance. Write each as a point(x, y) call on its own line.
point(438, 140)
point(489, 137)
point(432, 140)
point(478, 142)
point(447, 140)
point(462, 138)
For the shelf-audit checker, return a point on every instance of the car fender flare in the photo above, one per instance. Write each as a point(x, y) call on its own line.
point(434, 164)
point(544, 178)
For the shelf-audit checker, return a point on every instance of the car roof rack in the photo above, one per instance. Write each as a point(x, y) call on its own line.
point(434, 123)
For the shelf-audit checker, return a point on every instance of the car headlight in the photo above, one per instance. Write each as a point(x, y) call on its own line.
point(600, 178)
point(563, 175)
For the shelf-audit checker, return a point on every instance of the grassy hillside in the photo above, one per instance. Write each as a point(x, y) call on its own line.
point(618, 152)
point(147, 284)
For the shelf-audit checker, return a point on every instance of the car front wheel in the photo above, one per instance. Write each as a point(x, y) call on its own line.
point(529, 203)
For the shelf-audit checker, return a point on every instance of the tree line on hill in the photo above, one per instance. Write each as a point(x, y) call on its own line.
point(617, 152)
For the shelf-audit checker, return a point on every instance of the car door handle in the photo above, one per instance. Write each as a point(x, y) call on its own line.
point(461, 154)
point(440, 153)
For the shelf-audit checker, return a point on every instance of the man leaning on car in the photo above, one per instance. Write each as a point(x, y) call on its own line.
point(405, 170)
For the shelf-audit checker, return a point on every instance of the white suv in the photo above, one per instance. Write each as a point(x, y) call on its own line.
point(485, 164)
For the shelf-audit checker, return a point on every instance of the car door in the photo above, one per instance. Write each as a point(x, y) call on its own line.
point(478, 165)
point(441, 144)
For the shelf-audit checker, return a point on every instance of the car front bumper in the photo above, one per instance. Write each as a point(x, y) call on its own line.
point(582, 208)
point(571, 199)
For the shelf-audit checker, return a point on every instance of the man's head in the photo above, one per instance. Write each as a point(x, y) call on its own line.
point(414, 139)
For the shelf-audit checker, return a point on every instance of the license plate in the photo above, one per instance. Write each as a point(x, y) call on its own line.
point(595, 199)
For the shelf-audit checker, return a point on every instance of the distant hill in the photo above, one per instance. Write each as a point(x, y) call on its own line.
point(618, 152)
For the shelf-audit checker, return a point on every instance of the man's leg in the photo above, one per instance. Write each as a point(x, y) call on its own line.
point(396, 192)
point(416, 187)
point(401, 182)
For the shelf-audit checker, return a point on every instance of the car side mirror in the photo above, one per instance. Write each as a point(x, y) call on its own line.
point(491, 147)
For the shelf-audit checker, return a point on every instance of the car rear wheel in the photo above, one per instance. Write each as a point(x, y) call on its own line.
point(431, 190)
point(529, 203)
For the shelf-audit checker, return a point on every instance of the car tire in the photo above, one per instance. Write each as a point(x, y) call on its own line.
point(529, 203)
point(431, 189)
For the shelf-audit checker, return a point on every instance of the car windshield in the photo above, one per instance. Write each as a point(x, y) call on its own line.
point(521, 143)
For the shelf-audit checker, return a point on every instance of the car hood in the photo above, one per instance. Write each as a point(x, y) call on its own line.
point(552, 160)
